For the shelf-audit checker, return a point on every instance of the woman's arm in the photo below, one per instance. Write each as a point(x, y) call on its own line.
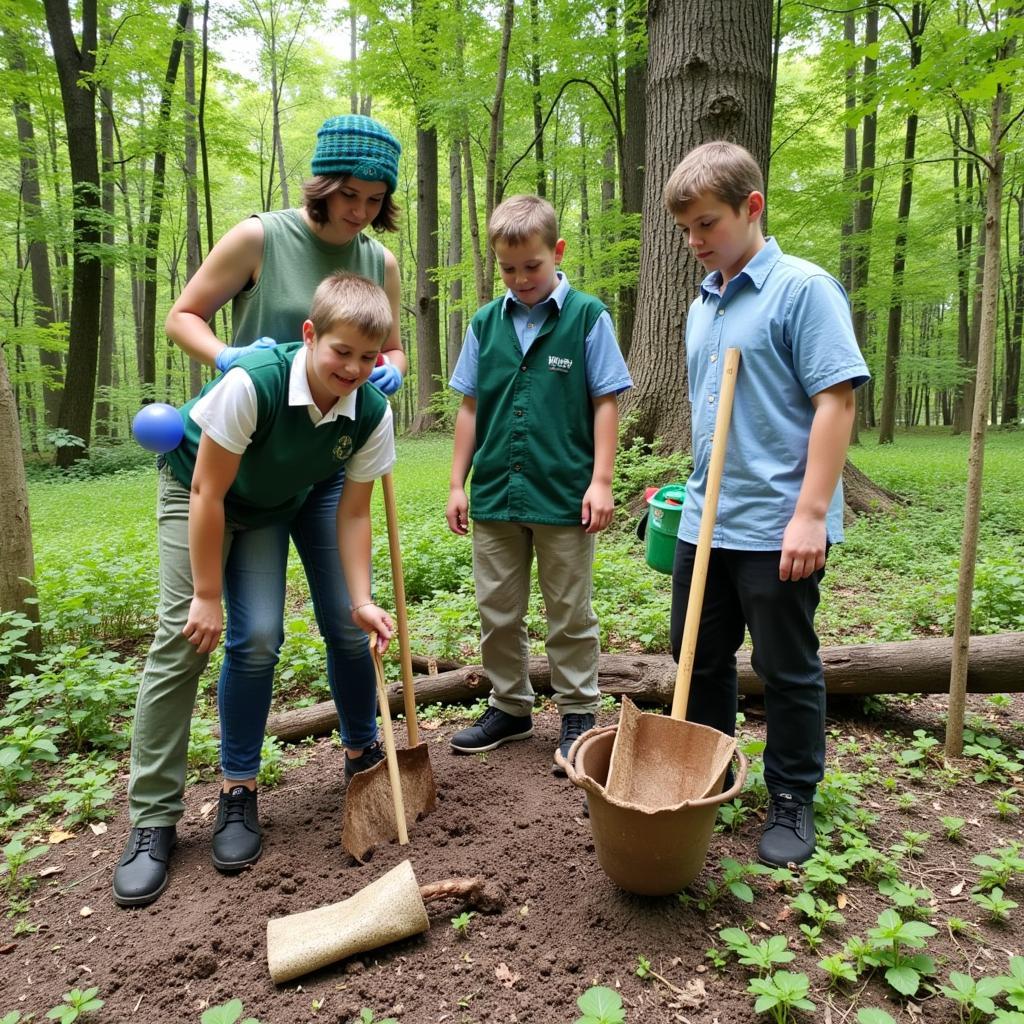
point(230, 265)
point(214, 473)
point(393, 287)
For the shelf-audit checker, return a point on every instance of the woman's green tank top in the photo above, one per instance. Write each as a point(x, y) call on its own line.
point(294, 262)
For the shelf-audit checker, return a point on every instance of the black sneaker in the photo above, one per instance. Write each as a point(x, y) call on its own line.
point(371, 755)
point(490, 730)
point(788, 835)
point(237, 836)
point(573, 727)
point(141, 873)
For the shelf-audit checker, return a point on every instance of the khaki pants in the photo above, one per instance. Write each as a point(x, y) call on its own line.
point(502, 559)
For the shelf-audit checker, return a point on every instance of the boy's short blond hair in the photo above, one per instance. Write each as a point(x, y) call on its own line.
point(520, 218)
point(344, 298)
point(726, 170)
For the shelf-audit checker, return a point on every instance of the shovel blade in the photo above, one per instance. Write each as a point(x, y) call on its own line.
point(370, 810)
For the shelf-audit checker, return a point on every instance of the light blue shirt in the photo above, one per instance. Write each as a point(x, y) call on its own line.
point(606, 369)
point(791, 322)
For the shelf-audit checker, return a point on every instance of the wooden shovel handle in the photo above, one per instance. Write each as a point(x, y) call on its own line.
point(398, 581)
point(699, 578)
point(394, 773)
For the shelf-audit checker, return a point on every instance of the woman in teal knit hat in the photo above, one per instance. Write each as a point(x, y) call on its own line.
point(268, 268)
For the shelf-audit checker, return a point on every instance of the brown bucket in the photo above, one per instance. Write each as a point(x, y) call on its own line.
point(653, 852)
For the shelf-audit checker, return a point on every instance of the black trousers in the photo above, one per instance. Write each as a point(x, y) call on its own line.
point(744, 591)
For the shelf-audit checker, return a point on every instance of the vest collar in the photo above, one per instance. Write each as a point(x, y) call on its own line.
point(558, 296)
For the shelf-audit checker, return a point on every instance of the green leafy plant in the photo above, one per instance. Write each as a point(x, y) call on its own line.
point(1013, 983)
point(953, 828)
point(780, 994)
point(367, 1016)
point(996, 903)
point(271, 762)
point(461, 923)
point(733, 881)
point(16, 856)
point(76, 1003)
point(912, 843)
point(600, 1005)
point(974, 999)
point(998, 867)
point(1005, 806)
point(889, 940)
point(226, 1013)
point(873, 1015)
point(733, 814)
point(909, 900)
point(763, 955)
point(838, 969)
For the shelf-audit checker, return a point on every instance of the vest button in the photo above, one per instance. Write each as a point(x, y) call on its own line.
point(523, 367)
point(519, 412)
point(517, 467)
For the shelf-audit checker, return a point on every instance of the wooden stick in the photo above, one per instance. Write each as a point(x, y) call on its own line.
point(389, 744)
point(719, 442)
point(401, 613)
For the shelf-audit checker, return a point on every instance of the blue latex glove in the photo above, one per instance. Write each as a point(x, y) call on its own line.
point(227, 355)
point(387, 377)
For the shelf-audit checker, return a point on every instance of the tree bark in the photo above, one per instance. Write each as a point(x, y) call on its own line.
point(494, 142)
point(193, 241)
point(44, 312)
point(1015, 329)
point(456, 329)
point(17, 566)
point(976, 459)
point(854, 670)
point(887, 420)
point(105, 366)
point(709, 75)
point(156, 203)
point(75, 67)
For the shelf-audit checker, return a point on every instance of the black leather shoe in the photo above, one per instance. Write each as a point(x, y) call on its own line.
point(788, 836)
point(371, 755)
point(573, 727)
point(237, 836)
point(490, 730)
point(141, 873)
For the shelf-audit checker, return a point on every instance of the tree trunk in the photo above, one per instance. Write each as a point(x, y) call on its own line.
point(709, 68)
point(17, 566)
point(105, 368)
point(428, 326)
point(853, 670)
point(1015, 329)
point(43, 311)
point(156, 204)
point(964, 237)
point(193, 241)
point(976, 459)
point(538, 115)
point(634, 146)
point(849, 225)
point(456, 329)
point(865, 209)
point(887, 420)
point(78, 90)
point(494, 141)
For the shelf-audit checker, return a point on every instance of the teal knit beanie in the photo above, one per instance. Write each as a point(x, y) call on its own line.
point(357, 145)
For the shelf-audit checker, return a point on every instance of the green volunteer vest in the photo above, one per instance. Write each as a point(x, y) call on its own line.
point(287, 454)
point(294, 262)
point(534, 416)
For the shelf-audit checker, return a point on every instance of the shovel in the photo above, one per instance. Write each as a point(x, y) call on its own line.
point(387, 910)
point(659, 762)
point(382, 802)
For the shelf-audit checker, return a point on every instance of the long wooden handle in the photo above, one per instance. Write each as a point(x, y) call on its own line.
point(398, 581)
point(719, 442)
point(389, 745)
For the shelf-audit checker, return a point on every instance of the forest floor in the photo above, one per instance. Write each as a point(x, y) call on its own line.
point(565, 926)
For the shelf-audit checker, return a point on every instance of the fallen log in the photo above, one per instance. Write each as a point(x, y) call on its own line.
point(913, 666)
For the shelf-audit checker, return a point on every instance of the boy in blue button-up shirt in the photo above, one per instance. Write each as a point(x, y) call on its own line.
point(781, 502)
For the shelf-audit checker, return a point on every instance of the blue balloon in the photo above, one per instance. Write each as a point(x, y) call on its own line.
point(158, 427)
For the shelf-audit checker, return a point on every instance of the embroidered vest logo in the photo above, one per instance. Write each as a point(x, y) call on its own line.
point(559, 364)
point(343, 449)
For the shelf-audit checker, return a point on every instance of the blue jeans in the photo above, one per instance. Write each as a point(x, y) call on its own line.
point(254, 592)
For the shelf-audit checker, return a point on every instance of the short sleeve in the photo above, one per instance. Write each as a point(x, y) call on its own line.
point(377, 454)
point(228, 412)
point(820, 333)
point(606, 369)
point(465, 376)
